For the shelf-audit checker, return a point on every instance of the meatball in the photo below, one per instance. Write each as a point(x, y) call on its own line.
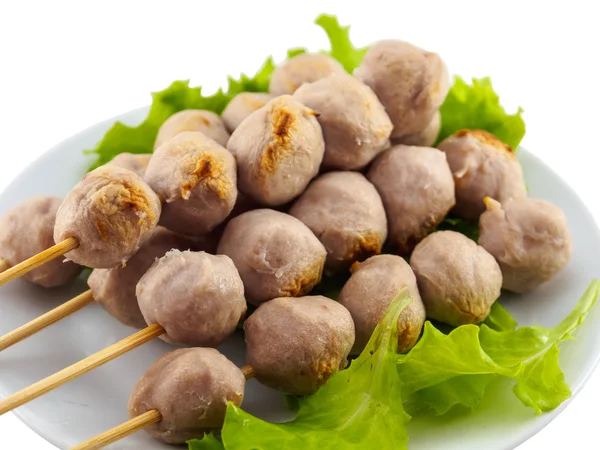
point(114, 288)
point(345, 212)
point(369, 292)
point(26, 230)
point(275, 253)
point(191, 388)
point(278, 149)
point(410, 82)
point(529, 238)
point(296, 345)
point(198, 298)
point(482, 166)
point(303, 68)
point(426, 137)
point(201, 120)
point(355, 125)
point(458, 279)
point(136, 162)
point(111, 212)
point(241, 106)
point(415, 184)
point(197, 179)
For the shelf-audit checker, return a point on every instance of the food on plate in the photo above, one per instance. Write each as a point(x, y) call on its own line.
point(355, 126)
point(529, 238)
point(344, 210)
point(303, 68)
point(424, 138)
point(206, 122)
point(241, 106)
point(137, 163)
point(278, 149)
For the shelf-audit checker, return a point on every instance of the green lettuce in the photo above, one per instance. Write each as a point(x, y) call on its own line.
point(469, 229)
point(342, 48)
point(208, 442)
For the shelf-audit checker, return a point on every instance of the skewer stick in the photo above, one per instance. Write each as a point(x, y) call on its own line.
point(79, 368)
point(35, 261)
point(46, 320)
point(134, 425)
point(3, 265)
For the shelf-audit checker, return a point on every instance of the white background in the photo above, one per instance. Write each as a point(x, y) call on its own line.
point(66, 65)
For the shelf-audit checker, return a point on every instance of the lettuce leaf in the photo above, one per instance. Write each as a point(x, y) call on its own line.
point(499, 319)
point(208, 442)
point(359, 408)
point(469, 229)
point(342, 48)
point(477, 106)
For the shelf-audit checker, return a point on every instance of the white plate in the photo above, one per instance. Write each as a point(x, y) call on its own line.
point(97, 401)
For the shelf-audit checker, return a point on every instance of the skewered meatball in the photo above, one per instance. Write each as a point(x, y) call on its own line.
point(201, 120)
point(529, 238)
point(114, 288)
point(190, 388)
point(111, 212)
point(26, 230)
point(345, 212)
point(426, 137)
point(355, 125)
point(415, 184)
point(369, 292)
point(275, 253)
point(136, 162)
point(304, 68)
point(482, 166)
point(196, 297)
point(458, 279)
point(279, 149)
point(410, 82)
point(241, 106)
point(297, 344)
point(197, 179)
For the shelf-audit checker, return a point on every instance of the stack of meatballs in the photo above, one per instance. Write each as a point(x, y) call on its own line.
point(312, 178)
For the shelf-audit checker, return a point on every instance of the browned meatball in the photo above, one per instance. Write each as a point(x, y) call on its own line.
point(241, 106)
point(198, 298)
point(304, 68)
point(529, 238)
point(345, 212)
point(136, 162)
point(424, 138)
point(415, 184)
point(355, 125)
point(369, 292)
point(297, 344)
point(275, 253)
point(26, 230)
point(458, 279)
point(278, 149)
point(197, 179)
point(410, 82)
point(482, 166)
point(114, 288)
point(206, 122)
point(111, 212)
point(190, 388)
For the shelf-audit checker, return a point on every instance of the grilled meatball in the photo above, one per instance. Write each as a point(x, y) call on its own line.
point(197, 179)
point(297, 344)
point(345, 212)
point(303, 68)
point(529, 238)
point(26, 230)
point(424, 138)
point(458, 279)
point(355, 125)
point(114, 288)
point(278, 149)
point(198, 298)
point(190, 388)
point(410, 82)
point(415, 184)
point(206, 122)
point(369, 292)
point(275, 253)
point(136, 162)
point(241, 106)
point(111, 212)
point(482, 166)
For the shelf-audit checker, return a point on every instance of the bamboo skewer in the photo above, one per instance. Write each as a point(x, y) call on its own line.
point(134, 425)
point(3, 265)
point(35, 261)
point(79, 368)
point(44, 321)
